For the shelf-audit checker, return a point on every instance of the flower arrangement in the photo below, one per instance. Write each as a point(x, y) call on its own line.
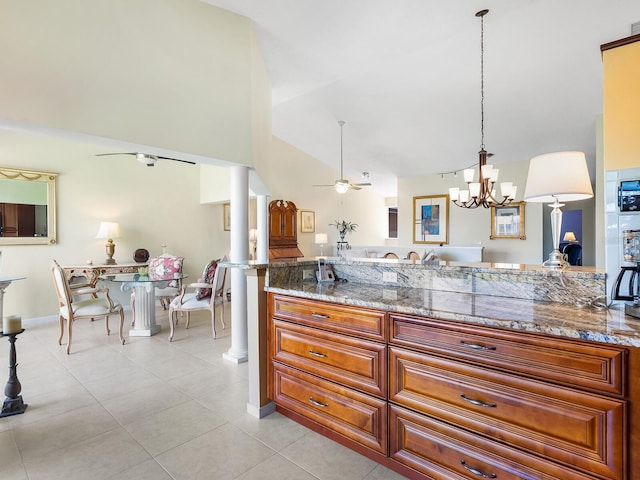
point(344, 227)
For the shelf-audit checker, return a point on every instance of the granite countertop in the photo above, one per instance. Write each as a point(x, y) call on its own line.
point(583, 321)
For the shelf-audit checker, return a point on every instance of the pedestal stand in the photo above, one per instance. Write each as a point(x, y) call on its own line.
point(342, 246)
point(13, 404)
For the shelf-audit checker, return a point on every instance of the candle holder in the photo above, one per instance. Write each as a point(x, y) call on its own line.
point(13, 404)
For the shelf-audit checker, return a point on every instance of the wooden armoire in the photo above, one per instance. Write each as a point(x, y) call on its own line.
point(283, 230)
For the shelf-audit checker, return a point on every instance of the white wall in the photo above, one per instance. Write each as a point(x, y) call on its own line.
point(473, 227)
point(155, 206)
point(290, 174)
point(176, 74)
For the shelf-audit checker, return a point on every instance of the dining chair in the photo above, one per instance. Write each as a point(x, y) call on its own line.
point(390, 255)
point(413, 256)
point(86, 302)
point(207, 295)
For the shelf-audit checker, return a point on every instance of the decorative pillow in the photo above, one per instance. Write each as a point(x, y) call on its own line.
point(207, 277)
point(166, 265)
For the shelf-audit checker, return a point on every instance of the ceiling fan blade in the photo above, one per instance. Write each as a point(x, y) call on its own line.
point(117, 153)
point(176, 160)
point(323, 185)
point(354, 187)
point(361, 184)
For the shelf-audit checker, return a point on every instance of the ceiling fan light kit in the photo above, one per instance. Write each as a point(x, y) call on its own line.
point(482, 192)
point(342, 185)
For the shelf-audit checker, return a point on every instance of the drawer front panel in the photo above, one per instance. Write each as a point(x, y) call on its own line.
point(357, 416)
point(594, 367)
point(445, 452)
point(576, 428)
point(340, 319)
point(360, 364)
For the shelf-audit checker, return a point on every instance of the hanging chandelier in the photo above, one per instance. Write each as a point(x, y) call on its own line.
point(482, 192)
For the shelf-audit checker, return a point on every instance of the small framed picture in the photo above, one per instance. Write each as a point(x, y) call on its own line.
point(307, 221)
point(507, 221)
point(431, 219)
point(226, 216)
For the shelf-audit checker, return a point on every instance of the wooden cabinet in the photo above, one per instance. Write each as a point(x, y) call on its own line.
point(283, 230)
point(461, 401)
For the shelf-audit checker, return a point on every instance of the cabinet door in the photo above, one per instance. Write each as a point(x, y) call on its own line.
point(596, 367)
point(445, 452)
point(576, 428)
point(357, 363)
point(354, 415)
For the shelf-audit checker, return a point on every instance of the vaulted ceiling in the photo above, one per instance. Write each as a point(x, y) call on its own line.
point(405, 76)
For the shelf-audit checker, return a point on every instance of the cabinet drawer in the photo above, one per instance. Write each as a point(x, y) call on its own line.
point(576, 428)
point(596, 367)
point(445, 452)
point(360, 364)
point(355, 415)
point(340, 319)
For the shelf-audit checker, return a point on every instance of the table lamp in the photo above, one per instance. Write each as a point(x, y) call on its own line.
point(554, 178)
point(109, 230)
point(321, 239)
point(569, 237)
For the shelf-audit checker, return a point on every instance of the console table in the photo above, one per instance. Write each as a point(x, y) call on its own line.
point(93, 272)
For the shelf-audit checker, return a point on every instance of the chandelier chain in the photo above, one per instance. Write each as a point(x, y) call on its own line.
point(482, 81)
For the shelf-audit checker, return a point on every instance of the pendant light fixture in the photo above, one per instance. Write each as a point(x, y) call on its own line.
point(482, 192)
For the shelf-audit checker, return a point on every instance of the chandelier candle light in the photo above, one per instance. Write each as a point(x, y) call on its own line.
point(482, 192)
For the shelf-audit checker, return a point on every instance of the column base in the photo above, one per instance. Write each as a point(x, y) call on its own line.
point(144, 332)
point(13, 406)
point(261, 412)
point(237, 359)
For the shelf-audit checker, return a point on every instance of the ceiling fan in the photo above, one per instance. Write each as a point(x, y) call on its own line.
point(148, 160)
point(343, 185)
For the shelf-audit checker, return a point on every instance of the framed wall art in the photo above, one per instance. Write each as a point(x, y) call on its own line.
point(431, 219)
point(507, 221)
point(226, 215)
point(307, 221)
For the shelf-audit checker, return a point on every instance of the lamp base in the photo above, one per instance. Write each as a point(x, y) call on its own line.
point(109, 261)
point(556, 260)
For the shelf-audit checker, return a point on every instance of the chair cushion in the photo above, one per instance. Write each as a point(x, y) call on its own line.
point(190, 302)
point(166, 265)
point(207, 277)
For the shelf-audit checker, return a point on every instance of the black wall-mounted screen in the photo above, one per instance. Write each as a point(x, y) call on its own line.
point(629, 196)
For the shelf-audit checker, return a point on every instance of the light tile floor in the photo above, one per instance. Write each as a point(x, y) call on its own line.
point(153, 410)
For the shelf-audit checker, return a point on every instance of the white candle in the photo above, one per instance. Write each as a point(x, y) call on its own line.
point(11, 324)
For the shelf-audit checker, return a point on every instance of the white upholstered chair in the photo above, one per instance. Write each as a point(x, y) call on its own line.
point(208, 295)
point(89, 302)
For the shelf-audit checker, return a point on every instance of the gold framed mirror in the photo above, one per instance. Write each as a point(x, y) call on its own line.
point(27, 207)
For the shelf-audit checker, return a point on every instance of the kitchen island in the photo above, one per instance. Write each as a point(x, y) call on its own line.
point(459, 370)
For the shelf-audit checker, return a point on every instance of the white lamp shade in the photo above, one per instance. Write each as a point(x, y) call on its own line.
point(561, 175)
point(569, 237)
point(109, 230)
point(322, 239)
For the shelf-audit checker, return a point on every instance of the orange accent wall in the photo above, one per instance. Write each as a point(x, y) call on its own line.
point(622, 106)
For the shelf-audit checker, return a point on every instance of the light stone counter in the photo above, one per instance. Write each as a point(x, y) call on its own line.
point(525, 298)
point(587, 323)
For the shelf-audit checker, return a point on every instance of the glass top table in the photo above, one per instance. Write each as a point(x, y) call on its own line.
point(143, 298)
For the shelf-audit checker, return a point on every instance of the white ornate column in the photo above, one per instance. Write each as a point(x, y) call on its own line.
point(239, 204)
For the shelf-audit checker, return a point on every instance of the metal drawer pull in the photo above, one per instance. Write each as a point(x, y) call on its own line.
point(316, 354)
point(317, 403)
point(319, 315)
point(479, 403)
point(475, 346)
point(475, 471)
